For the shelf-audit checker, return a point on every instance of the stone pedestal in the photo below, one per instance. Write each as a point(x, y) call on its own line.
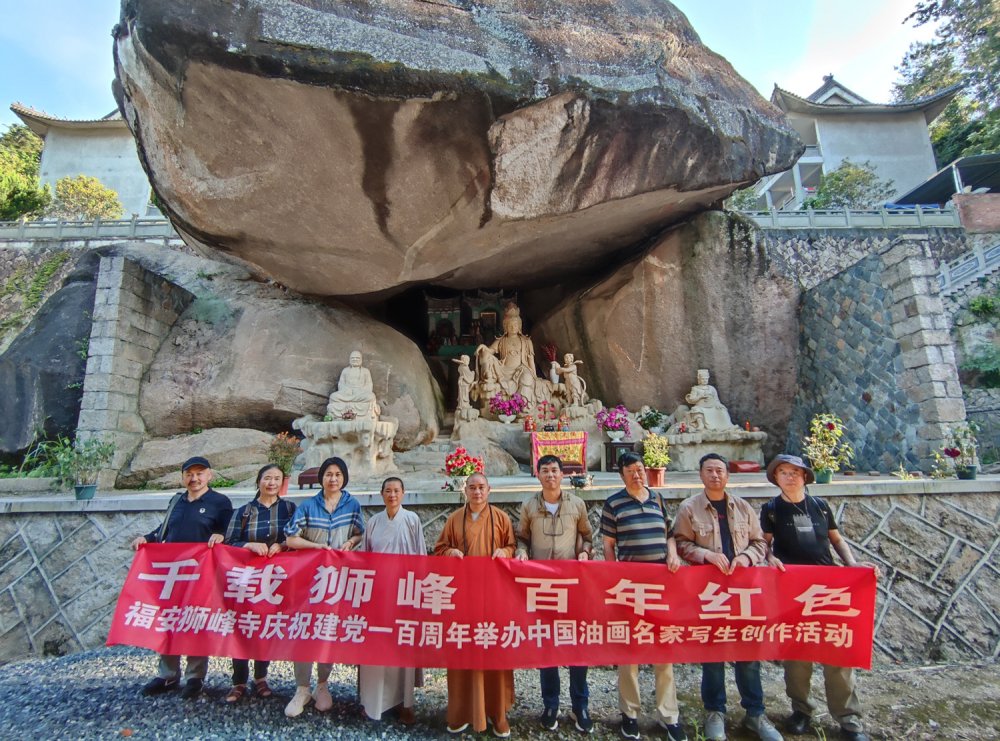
point(735, 445)
point(365, 444)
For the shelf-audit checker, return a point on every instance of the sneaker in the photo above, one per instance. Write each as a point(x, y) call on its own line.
point(192, 688)
point(762, 726)
point(855, 735)
point(715, 726)
point(159, 685)
point(321, 695)
point(630, 727)
point(300, 699)
point(549, 720)
point(458, 729)
point(798, 723)
point(581, 718)
point(675, 731)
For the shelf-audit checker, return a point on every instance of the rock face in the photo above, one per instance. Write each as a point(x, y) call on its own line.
point(234, 453)
point(705, 296)
point(273, 361)
point(42, 370)
point(355, 148)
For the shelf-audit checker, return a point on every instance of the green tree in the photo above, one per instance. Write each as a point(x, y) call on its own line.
point(84, 197)
point(966, 50)
point(20, 193)
point(744, 199)
point(851, 186)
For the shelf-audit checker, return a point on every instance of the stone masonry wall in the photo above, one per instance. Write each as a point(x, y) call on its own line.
point(134, 311)
point(874, 349)
point(61, 569)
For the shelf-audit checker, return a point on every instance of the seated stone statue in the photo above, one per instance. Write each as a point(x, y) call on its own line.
point(355, 392)
point(508, 364)
point(706, 412)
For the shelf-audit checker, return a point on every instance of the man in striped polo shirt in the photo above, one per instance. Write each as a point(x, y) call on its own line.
point(635, 527)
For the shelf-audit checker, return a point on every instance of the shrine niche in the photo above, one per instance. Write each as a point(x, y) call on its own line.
point(458, 324)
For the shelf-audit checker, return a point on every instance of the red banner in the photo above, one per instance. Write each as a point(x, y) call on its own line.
point(480, 613)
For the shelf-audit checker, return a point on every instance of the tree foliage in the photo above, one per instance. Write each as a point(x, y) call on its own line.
point(966, 50)
point(84, 197)
point(20, 193)
point(851, 185)
point(744, 199)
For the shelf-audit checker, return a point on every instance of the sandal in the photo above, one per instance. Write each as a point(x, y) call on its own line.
point(237, 693)
point(261, 689)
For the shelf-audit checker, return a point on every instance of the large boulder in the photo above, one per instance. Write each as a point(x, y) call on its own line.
point(234, 453)
point(254, 355)
point(357, 148)
point(707, 295)
point(42, 370)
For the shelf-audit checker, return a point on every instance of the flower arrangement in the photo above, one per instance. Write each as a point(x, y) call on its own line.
point(546, 411)
point(462, 463)
point(824, 446)
point(962, 446)
point(283, 450)
point(615, 418)
point(513, 406)
point(655, 451)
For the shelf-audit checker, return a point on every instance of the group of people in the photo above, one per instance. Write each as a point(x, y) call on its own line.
point(713, 527)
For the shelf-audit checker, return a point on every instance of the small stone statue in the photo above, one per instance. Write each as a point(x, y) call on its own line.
point(355, 393)
point(465, 380)
point(576, 387)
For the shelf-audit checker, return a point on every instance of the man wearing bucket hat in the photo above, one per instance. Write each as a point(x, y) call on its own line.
point(800, 529)
point(193, 516)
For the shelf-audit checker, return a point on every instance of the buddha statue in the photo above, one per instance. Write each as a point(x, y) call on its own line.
point(706, 412)
point(355, 393)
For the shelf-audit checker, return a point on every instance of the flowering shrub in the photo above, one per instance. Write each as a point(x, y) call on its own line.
point(512, 406)
point(962, 445)
point(462, 463)
point(824, 446)
point(614, 419)
point(283, 450)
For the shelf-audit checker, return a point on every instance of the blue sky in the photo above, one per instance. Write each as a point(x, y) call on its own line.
point(55, 55)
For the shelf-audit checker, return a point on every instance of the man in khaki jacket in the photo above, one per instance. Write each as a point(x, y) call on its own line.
point(553, 524)
point(720, 529)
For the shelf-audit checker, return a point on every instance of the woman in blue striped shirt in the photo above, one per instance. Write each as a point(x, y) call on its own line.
point(259, 526)
point(332, 520)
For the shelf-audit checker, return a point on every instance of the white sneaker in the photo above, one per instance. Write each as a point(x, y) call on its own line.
point(763, 727)
point(715, 726)
point(298, 703)
point(322, 697)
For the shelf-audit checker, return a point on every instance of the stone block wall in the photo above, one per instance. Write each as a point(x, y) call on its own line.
point(875, 350)
point(134, 311)
point(62, 564)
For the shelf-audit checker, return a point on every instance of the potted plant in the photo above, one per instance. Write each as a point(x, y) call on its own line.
point(459, 465)
point(962, 449)
point(507, 409)
point(655, 456)
point(651, 419)
point(78, 464)
point(825, 447)
point(614, 422)
point(282, 452)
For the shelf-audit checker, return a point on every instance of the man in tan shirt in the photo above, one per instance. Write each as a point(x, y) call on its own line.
point(553, 524)
point(720, 529)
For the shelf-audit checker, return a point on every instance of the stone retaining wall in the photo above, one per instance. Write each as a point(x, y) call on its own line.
point(63, 562)
point(875, 350)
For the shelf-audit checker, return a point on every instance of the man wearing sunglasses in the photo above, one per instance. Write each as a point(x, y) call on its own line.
point(553, 524)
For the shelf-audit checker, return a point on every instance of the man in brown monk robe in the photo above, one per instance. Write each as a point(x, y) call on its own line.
point(478, 529)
